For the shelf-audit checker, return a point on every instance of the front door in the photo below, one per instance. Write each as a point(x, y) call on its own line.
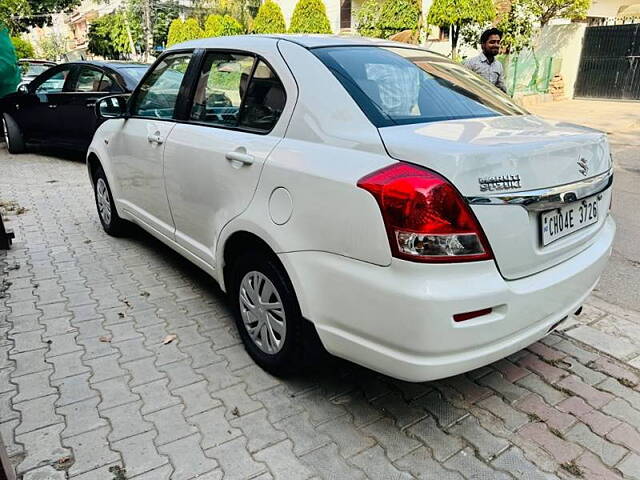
point(137, 149)
point(36, 112)
point(213, 161)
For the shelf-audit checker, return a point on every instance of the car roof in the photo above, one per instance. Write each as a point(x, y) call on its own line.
point(37, 60)
point(304, 40)
point(113, 64)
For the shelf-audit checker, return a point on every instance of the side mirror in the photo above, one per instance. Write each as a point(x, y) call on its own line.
point(23, 89)
point(113, 106)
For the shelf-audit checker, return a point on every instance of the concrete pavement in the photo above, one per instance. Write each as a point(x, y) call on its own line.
point(88, 389)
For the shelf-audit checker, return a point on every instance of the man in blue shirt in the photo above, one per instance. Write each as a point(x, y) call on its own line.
point(486, 64)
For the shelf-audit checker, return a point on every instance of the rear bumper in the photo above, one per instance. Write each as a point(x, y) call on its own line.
point(398, 320)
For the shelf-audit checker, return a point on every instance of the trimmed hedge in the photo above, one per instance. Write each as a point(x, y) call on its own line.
point(175, 32)
point(23, 48)
point(191, 30)
point(399, 15)
point(269, 19)
point(218, 26)
point(310, 16)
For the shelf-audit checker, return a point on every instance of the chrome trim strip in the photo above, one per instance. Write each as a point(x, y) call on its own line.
point(548, 198)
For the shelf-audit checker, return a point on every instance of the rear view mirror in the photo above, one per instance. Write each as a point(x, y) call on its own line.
point(23, 89)
point(113, 106)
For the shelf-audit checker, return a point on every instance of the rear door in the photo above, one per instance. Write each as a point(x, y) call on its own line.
point(213, 160)
point(77, 113)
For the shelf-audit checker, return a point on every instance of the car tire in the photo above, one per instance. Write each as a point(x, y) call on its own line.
point(250, 276)
point(109, 218)
point(12, 135)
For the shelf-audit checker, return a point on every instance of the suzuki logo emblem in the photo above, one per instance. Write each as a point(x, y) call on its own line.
point(583, 166)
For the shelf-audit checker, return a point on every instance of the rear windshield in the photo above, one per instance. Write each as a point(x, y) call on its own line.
point(399, 86)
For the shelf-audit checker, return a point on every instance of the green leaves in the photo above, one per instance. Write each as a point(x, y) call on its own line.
point(310, 16)
point(269, 19)
point(368, 17)
point(399, 15)
point(109, 35)
point(23, 48)
point(175, 32)
point(221, 25)
point(459, 12)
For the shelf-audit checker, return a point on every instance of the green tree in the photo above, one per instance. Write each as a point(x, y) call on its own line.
point(110, 36)
point(399, 15)
point(368, 18)
point(545, 10)
point(456, 13)
point(23, 48)
point(269, 19)
point(310, 16)
point(517, 27)
point(175, 32)
point(41, 10)
point(52, 46)
point(242, 10)
point(11, 11)
point(191, 30)
point(219, 26)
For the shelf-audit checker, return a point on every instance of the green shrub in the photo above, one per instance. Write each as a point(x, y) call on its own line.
point(191, 30)
point(175, 32)
point(23, 48)
point(399, 15)
point(310, 16)
point(368, 18)
point(269, 19)
point(219, 25)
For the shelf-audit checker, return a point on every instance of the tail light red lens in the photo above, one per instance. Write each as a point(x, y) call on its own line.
point(426, 218)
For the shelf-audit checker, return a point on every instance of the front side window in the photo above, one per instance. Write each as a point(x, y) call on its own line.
point(54, 83)
point(158, 93)
point(397, 86)
point(90, 80)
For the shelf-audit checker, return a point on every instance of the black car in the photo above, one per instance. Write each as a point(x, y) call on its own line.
point(57, 108)
point(30, 69)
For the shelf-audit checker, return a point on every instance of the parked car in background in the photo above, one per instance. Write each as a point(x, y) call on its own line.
point(57, 108)
point(371, 196)
point(31, 68)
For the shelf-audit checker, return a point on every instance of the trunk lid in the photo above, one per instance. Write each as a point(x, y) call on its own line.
point(529, 153)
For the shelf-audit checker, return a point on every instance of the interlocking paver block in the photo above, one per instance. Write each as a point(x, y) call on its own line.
point(535, 384)
point(133, 349)
point(630, 467)
point(256, 379)
point(29, 362)
point(236, 401)
point(592, 467)
point(534, 405)
point(279, 404)
point(560, 449)
point(214, 428)
point(67, 365)
point(283, 463)
point(395, 442)
point(44, 473)
point(171, 424)
point(7, 429)
point(320, 408)
point(550, 373)
point(202, 354)
point(74, 389)
point(349, 439)
point(511, 417)
point(396, 406)
point(90, 451)
point(180, 374)
point(376, 465)
point(329, 464)
point(114, 392)
point(422, 465)
point(609, 453)
point(237, 357)
point(187, 457)
point(143, 371)
point(514, 462)
point(619, 390)
point(446, 414)
point(258, 430)
point(155, 396)
point(105, 368)
point(26, 323)
point(140, 455)
point(235, 461)
point(126, 421)
point(470, 466)
point(81, 417)
point(196, 398)
point(621, 410)
point(625, 435)
point(301, 432)
point(33, 386)
point(615, 370)
point(594, 397)
point(441, 444)
point(37, 413)
point(486, 444)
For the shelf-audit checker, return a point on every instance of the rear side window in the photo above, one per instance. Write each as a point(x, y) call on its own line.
point(90, 80)
point(158, 93)
point(54, 83)
point(397, 86)
point(238, 91)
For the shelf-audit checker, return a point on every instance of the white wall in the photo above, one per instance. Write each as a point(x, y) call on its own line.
point(565, 42)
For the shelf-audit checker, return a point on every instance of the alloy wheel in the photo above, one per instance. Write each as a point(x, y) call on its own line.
point(262, 312)
point(104, 201)
point(6, 132)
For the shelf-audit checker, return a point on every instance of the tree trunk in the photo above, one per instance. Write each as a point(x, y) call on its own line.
point(148, 34)
point(455, 31)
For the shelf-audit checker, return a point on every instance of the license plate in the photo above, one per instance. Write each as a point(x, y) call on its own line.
point(570, 218)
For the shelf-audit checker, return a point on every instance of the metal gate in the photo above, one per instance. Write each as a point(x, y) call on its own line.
point(610, 63)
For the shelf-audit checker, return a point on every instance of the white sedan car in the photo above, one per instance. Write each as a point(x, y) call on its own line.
point(370, 197)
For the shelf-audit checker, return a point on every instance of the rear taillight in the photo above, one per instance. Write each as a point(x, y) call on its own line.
point(426, 218)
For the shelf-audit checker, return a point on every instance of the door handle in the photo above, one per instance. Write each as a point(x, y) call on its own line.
point(241, 157)
point(155, 138)
point(90, 104)
point(53, 105)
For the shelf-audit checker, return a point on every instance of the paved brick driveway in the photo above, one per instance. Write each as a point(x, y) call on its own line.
point(86, 383)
